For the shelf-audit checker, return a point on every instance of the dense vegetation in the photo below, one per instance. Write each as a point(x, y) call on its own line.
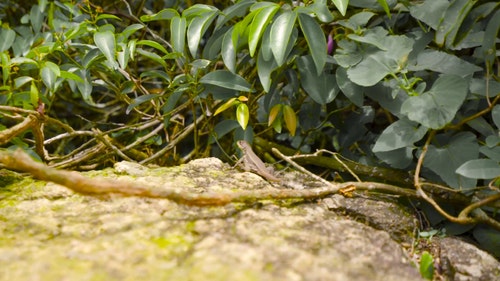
point(401, 85)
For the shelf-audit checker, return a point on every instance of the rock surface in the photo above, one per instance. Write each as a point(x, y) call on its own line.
point(51, 233)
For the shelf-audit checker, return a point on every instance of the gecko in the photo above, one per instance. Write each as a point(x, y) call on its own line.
point(251, 162)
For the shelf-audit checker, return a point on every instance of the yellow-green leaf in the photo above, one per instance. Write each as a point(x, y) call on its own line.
point(290, 119)
point(242, 115)
point(274, 114)
point(226, 105)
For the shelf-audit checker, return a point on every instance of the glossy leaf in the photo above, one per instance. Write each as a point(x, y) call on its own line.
point(197, 28)
point(238, 9)
point(281, 32)
point(49, 74)
point(265, 69)
point(226, 79)
point(228, 51)
point(105, 41)
point(178, 33)
point(153, 44)
point(321, 88)
point(153, 56)
point(290, 119)
point(165, 14)
point(480, 169)
point(315, 40)
point(437, 107)
point(7, 37)
point(20, 81)
point(5, 63)
point(259, 23)
point(34, 94)
point(242, 115)
point(231, 102)
point(445, 160)
point(341, 5)
point(402, 133)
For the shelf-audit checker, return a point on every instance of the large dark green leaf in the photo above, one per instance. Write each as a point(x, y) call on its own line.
point(281, 32)
point(259, 23)
point(197, 28)
point(389, 57)
point(437, 107)
point(444, 63)
point(445, 160)
point(178, 33)
point(430, 12)
point(402, 133)
point(226, 79)
point(315, 40)
point(452, 20)
point(480, 169)
point(321, 88)
point(264, 70)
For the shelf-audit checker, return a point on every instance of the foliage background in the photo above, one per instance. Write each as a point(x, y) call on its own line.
point(384, 83)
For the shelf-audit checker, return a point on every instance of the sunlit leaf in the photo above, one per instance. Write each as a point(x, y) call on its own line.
point(341, 5)
point(259, 24)
point(153, 44)
point(20, 81)
point(427, 266)
point(197, 28)
point(105, 41)
point(34, 94)
point(164, 14)
point(231, 102)
point(178, 33)
point(242, 115)
point(281, 32)
point(383, 4)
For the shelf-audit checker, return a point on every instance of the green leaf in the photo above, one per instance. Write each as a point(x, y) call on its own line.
point(49, 76)
point(105, 41)
point(153, 44)
point(321, 88)
point(226, 79)
point(495, 114)
point(197, 28)
point(281, 32)
point(341, 5)
point(178, 33)
point(165, 14)
point(427, 265)
point(264, 70)
point(238, 9)
point(129, 30)
point(488, 47)
point(71, 76)
point(230, 103)
point(320, 8)
point(242, 115)
point(274, 113)
point(445, 160)
point(383, 4)
point(34, 94)
point(444, 63)
point(228, 51)
point(402, 133)
point(437, 107)
point(315, 40)
point(36, 18)
point(378, 63)
point(153, 57)
point(6, 64)
point(259, 23)
point(452, 20)
point(480, 169)
point(290, 119)
point(7, 37)
point(20, 81)
point(429, 12)
point(140, 100)
point(352, 91)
